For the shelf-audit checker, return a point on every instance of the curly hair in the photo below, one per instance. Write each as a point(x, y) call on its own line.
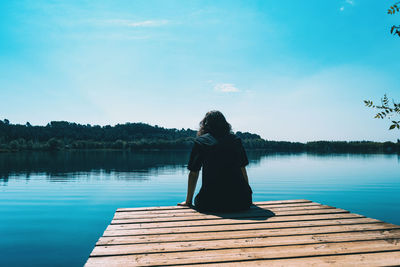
point(214, 123)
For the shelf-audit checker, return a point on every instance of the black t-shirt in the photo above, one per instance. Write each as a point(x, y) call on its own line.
point(223, 186)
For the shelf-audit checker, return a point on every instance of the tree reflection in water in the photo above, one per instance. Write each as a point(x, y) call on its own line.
point(65, 165)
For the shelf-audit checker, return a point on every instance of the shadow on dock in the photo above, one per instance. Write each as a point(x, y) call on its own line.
point(255, 213)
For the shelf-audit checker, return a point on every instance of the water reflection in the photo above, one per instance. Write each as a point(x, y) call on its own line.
point(61, 165)
point(66, 165)
point(123, 165)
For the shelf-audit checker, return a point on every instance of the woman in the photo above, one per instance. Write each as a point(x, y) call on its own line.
point(225, 185)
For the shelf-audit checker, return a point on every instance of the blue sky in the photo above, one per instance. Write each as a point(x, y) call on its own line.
point(288, 70)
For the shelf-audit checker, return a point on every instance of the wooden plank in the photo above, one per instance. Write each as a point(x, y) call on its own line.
point(236, 227)
point(160, 214)
point(228, 255)
point(242, 243)
point(191, 211)
point(257, 204)
point(123, 235)
point(255, 215)
point(183, 207)
point(229, 228)
point(311, 217)
point(351, 260)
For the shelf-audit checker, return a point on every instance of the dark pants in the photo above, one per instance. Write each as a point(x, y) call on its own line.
point(210, 204)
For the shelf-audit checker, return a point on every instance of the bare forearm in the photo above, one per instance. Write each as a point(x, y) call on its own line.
point(192, 181)
point(245, 174)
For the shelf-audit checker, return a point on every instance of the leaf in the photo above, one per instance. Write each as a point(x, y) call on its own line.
point(392, 126)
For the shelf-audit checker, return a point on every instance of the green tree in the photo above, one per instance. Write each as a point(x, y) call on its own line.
point(395, 8)
point(54, 144)
point(386, 109)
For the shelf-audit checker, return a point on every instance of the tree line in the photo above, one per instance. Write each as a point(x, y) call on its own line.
point(63, 135)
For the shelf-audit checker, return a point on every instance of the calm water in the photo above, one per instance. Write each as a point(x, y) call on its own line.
point(54, 207)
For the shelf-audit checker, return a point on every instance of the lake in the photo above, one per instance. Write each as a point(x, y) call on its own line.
point(54, 206)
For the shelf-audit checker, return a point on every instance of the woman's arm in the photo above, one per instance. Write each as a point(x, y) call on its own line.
point(245, 174)
point(192, 181)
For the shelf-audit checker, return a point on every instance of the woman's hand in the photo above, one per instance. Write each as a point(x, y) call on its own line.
point(184, 203)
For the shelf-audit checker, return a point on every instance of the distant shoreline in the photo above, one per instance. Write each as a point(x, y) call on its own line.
point(261, 150)
point(67, 136)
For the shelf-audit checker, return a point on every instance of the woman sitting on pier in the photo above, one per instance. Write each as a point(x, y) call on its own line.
point(225, 186)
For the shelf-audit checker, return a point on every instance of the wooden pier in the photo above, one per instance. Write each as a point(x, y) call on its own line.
point(272, 233)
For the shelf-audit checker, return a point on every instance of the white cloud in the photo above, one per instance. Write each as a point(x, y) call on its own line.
point(347, 2)
point(148, 23)
point(226, 88)
point(144, 23)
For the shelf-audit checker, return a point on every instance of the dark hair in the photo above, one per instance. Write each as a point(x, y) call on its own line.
point(214, 123)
